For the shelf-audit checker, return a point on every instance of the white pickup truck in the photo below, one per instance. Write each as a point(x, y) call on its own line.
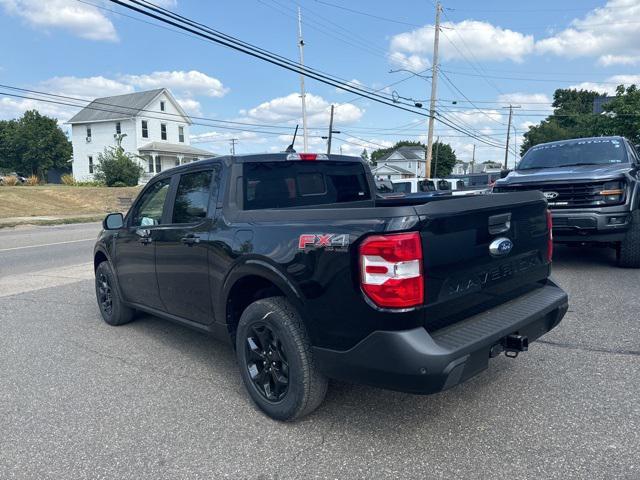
point(457, 186)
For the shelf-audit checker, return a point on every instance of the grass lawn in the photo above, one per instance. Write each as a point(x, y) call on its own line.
point(63, 201)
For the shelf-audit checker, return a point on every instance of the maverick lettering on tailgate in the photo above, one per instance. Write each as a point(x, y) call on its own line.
point(477, 280)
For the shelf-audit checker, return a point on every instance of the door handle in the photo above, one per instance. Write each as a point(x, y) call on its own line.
point(190, 240)
point(145, 240)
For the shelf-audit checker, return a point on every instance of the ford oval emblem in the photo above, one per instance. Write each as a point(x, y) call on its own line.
point(551, 195)
point(500, 247)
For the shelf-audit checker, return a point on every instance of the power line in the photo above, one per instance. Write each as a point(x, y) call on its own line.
point(360, 12)
point(119, 112)
point(179, 21)
point(215, 36)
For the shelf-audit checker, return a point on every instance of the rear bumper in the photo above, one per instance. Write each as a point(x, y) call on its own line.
point(602, 225)
point(418, 362)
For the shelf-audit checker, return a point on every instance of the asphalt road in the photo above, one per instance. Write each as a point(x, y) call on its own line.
point(80, 399)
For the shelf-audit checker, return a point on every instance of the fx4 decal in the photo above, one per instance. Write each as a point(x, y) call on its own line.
point(323, 240)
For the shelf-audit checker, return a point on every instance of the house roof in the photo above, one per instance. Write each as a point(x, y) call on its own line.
point(407, 152)
point(392, 168)
point(120, 107)
point(174, 149)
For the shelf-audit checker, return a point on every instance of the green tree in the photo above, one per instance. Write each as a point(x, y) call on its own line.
point(622, 114)
point(443, 160)
point(572, 117)
point(117, 167)
point(365, 155)
point(33, 144)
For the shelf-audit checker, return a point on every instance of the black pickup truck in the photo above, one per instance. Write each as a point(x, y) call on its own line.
point(593, 189)
point(294, 260)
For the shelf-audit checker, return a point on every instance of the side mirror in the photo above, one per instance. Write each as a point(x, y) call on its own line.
point(113, 221)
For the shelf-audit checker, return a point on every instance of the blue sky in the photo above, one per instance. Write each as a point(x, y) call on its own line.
point(493, 54)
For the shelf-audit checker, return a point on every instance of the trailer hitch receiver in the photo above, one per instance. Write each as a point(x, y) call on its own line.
point(514, 344)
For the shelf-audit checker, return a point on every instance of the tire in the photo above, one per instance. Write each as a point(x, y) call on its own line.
point(112, 308)
point(272, 346)
point(629, 249)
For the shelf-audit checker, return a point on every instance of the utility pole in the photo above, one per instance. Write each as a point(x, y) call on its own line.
point(473, 158)
point(302, 93)
point(506, 147)
point(331, 132)
point(435, 169)
point(233, 145)
point(434, 90)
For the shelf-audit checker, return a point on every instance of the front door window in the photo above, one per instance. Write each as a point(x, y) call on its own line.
point(148, 210)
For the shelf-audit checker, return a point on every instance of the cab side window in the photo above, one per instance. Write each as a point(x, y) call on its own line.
point(148, 211)
point(192, 197)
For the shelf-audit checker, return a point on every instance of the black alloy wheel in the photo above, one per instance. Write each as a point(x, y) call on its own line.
point(113, 310)
point(105, 297)
point(266, 362)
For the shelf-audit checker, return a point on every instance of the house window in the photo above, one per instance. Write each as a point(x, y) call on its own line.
point(150, 169)
point(409, 166)
point(118, 129)
point(145, 129)
point(158, 164)
point(88, 134)
point(162, 106)
point(90, 164)
point(181, 134)
point(163, 131)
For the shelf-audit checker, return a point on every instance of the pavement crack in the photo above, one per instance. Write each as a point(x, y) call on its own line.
point(613, 351)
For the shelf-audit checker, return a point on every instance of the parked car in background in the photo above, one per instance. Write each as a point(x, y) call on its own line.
point(294, 260)
point(593, 190)
point(19, 177)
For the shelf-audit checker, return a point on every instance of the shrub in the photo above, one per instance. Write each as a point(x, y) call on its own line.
point(10, 181)
point(67, 179)
point(117, 166)
point(32, 180)
point(119, 184)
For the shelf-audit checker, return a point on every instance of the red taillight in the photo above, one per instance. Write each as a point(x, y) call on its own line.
point(391, 270)
point(550, 238)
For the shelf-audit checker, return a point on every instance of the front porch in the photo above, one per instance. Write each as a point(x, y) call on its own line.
point(157, 157)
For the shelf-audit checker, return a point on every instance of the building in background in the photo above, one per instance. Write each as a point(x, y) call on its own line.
point(153, 125)
point(403, 162)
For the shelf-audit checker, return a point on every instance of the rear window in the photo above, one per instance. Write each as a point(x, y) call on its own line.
point(299, 184)
point(402, 187)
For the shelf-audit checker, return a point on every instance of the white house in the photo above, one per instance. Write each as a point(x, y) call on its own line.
point(403, 162)
point(153, 124)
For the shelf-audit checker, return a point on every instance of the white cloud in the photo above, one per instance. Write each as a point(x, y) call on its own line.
point(85, 87)
point(85, 21)
point(610, 84)
point(353, 83)
point(192, 82)
point(354, 146)
point(190, 105)
point(610, 33)
point(288, 109)
point(484, 40)
point(11, 108)
point(476, 118)
point(517, 98)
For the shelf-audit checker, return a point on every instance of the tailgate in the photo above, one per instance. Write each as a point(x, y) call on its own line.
point(463, 273)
